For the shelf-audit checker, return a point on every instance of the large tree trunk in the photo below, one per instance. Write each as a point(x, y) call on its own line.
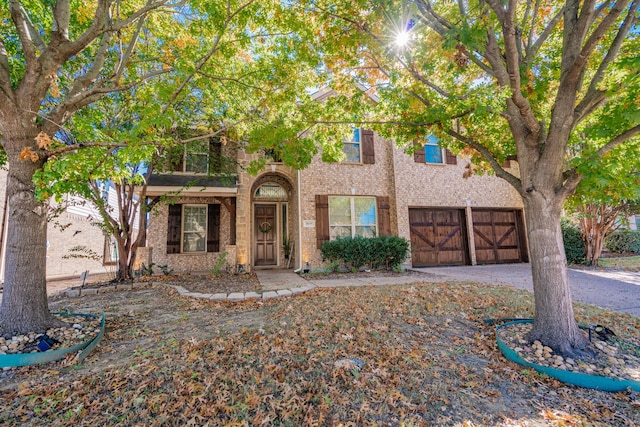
point(555, 324)
point(24, 301)
point(125, 271)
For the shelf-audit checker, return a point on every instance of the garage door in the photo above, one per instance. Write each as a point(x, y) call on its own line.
point(437, 237)
point(498, 236)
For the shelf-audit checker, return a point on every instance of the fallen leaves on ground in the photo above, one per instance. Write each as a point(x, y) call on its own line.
point(426, 359)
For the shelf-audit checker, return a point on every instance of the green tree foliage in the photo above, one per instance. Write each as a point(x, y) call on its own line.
point(123, 74)
point(608, 193)
point(551, 85)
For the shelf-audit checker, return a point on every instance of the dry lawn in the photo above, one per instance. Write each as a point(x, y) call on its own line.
point(428, 359)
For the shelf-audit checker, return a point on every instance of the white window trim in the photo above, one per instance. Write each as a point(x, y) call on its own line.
point(353, 225)
point(352, 141)
point(206, 228)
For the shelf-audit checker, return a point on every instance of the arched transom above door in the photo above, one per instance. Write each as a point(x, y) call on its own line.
point(270, 191)
point(272, 186)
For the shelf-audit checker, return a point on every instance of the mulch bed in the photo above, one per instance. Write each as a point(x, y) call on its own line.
point(213, 284)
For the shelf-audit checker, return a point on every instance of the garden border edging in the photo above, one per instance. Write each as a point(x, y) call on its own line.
point(574, 378)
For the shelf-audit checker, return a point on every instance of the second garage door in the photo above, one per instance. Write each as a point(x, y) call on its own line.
point(437, 237)
point(498, 236)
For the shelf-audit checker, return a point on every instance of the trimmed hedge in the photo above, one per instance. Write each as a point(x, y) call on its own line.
point(573, 245)
point(623, 241)
point(387, 252)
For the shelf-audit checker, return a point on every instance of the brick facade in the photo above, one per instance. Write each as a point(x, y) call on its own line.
point(393, 176)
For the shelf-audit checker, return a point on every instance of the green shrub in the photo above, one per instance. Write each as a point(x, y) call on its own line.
point(573, 245)
point(221, 261)
point(387, 252)
point(623, 241)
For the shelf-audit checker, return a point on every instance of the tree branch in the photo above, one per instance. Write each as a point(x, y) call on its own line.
point(594, 96)
point(61, 14)
point(486, 154)
point(532, 50)
point(494, 56)
point(24, 35)
point(525, 19)
point(84, 81)
point(431, 18)
point(5, 74)
point(587, 16)
point(214, 49)
point(58, 116)
point(74, 147)
point(124, 59)
point(33, 31)
point(623, 137)
point(572, 178)
point(512, 59)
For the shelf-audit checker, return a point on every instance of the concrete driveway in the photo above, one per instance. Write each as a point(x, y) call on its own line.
point(612, 289)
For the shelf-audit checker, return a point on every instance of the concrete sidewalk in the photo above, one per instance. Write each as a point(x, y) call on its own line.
point(287, 279)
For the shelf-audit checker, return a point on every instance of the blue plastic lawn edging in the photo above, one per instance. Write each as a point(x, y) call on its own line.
point(575, 378)
point(85, 347)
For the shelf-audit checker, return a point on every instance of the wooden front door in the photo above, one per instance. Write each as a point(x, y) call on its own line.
point(265, 235)
point(498, 236)
point(438, 237)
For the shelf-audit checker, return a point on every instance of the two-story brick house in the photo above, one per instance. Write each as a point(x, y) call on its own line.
point(377, 190)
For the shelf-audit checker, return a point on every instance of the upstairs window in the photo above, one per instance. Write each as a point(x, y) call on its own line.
point(202, 156)
point(352, 148)
point(196, 157)
point(432, 151)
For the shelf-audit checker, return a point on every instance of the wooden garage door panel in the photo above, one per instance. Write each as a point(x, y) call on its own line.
point(437, 237)
point(497, 236)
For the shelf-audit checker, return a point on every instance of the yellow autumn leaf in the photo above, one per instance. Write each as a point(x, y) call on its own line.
point(43, 141)
point(86, 12)
point(54, 89)
point(28, 154)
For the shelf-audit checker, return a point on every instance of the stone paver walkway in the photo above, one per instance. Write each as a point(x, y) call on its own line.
point(615, 290)
point(275, 284)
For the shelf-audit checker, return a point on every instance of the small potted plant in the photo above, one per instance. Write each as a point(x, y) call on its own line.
point(286, 246)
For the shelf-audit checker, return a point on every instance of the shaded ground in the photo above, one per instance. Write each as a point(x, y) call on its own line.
point(428, 360)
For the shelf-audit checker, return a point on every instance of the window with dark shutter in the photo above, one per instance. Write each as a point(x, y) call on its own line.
point(322, 220)
point(174, 232)
point(215, 155)
point(418, 155)
point(368, 151)
point(213, 228)
point(384, 216)
point(232, 221)
point(451, 158)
